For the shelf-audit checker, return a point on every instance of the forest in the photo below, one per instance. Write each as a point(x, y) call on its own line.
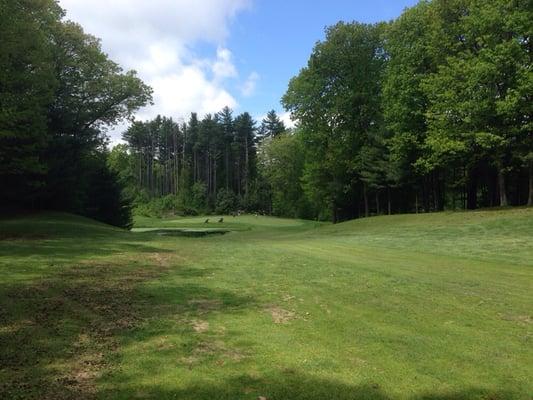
point(427, 112)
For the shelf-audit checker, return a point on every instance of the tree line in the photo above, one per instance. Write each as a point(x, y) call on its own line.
point(427, 112)
point(58, 93)
point(202, 165)
point(430, 111)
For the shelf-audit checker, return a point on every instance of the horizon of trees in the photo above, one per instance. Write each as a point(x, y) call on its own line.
point(430, 111)
point(201, 165)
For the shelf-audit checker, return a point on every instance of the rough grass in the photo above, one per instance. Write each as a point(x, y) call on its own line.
point(433, 306)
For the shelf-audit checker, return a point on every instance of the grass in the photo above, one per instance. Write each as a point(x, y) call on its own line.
point(429, 306)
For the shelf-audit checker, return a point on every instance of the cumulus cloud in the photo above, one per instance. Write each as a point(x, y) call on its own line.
point(248, 88)
point(157, 38)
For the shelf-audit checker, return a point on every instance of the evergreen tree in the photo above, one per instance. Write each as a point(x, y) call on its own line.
point(271, 126)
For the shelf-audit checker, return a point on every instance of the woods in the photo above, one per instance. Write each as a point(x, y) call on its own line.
point(200, 165)
point(58, 94)
point(428, 112)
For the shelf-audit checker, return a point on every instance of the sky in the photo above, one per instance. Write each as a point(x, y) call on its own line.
point(202, 55)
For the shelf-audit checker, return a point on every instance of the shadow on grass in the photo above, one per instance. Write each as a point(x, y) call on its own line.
point(74, 248)
point(58, 335)
point(291, 386)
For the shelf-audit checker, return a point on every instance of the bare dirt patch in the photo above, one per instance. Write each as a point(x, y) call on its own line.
point(200, 326)
point(280, 315)
point(523, 319)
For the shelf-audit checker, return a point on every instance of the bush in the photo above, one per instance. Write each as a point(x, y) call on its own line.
point(226, 201)
point(198, 196)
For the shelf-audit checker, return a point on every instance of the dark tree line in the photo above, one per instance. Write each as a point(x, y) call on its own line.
point(58, 92)
point(430, 111)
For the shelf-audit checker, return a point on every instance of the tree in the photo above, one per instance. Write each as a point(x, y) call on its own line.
point(227, 126)
point(479, 98)
point(337, 99)
point(282, 163)
point(27, 84)
point(244, 153)
point(92, 93)
point(58, 94)
point(271, 126)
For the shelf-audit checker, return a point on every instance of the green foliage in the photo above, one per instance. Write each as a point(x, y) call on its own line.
point(432, 107)
point(282, 164)
point(27, 84)
point(105, 200)
point(226, 202)
point(199, 195)
point(336, 99)
point(58, 93)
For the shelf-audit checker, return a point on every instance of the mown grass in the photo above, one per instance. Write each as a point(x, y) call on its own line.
point(429, 306)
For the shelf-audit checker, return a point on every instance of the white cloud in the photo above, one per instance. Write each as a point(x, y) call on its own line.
point(287, 120)
point(248, 88)
point(157, 39)
point(223, 66)
point(285, 117)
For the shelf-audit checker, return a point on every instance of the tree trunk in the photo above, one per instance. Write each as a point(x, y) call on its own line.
point(195, 167)
point(501, 188)
point(416, 202)
point(435, 191)
point(530, 197)
point(365, 196)
point(471, 193)
point(388, 201)
point(377, 203)
point(246, 167)
point(215, 179)
point(226, 161)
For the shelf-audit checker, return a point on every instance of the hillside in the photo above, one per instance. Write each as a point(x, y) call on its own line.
point(428, 306)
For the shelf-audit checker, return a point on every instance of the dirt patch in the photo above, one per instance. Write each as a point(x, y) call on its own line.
point(163, 259)
point(280, 315)
point(523, 319)
point(288, 297)
point(216, 350)
point(200, 326)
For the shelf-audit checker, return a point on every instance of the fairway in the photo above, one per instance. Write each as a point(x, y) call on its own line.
point(427, 306)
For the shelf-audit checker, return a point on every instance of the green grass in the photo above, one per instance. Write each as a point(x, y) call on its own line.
point(429, 306)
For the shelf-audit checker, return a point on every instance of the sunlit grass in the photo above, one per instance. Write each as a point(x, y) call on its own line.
point(433, 306)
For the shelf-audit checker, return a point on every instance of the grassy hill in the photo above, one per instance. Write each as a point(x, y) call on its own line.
point(428, 306)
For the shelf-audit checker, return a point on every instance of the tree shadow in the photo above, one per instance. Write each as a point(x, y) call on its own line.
point(58, 335)
point(291, 385)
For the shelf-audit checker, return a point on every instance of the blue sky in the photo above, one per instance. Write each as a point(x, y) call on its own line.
point(275, 39)
point(200, 55)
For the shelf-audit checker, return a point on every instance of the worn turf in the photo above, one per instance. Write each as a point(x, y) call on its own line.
point(429, 306)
